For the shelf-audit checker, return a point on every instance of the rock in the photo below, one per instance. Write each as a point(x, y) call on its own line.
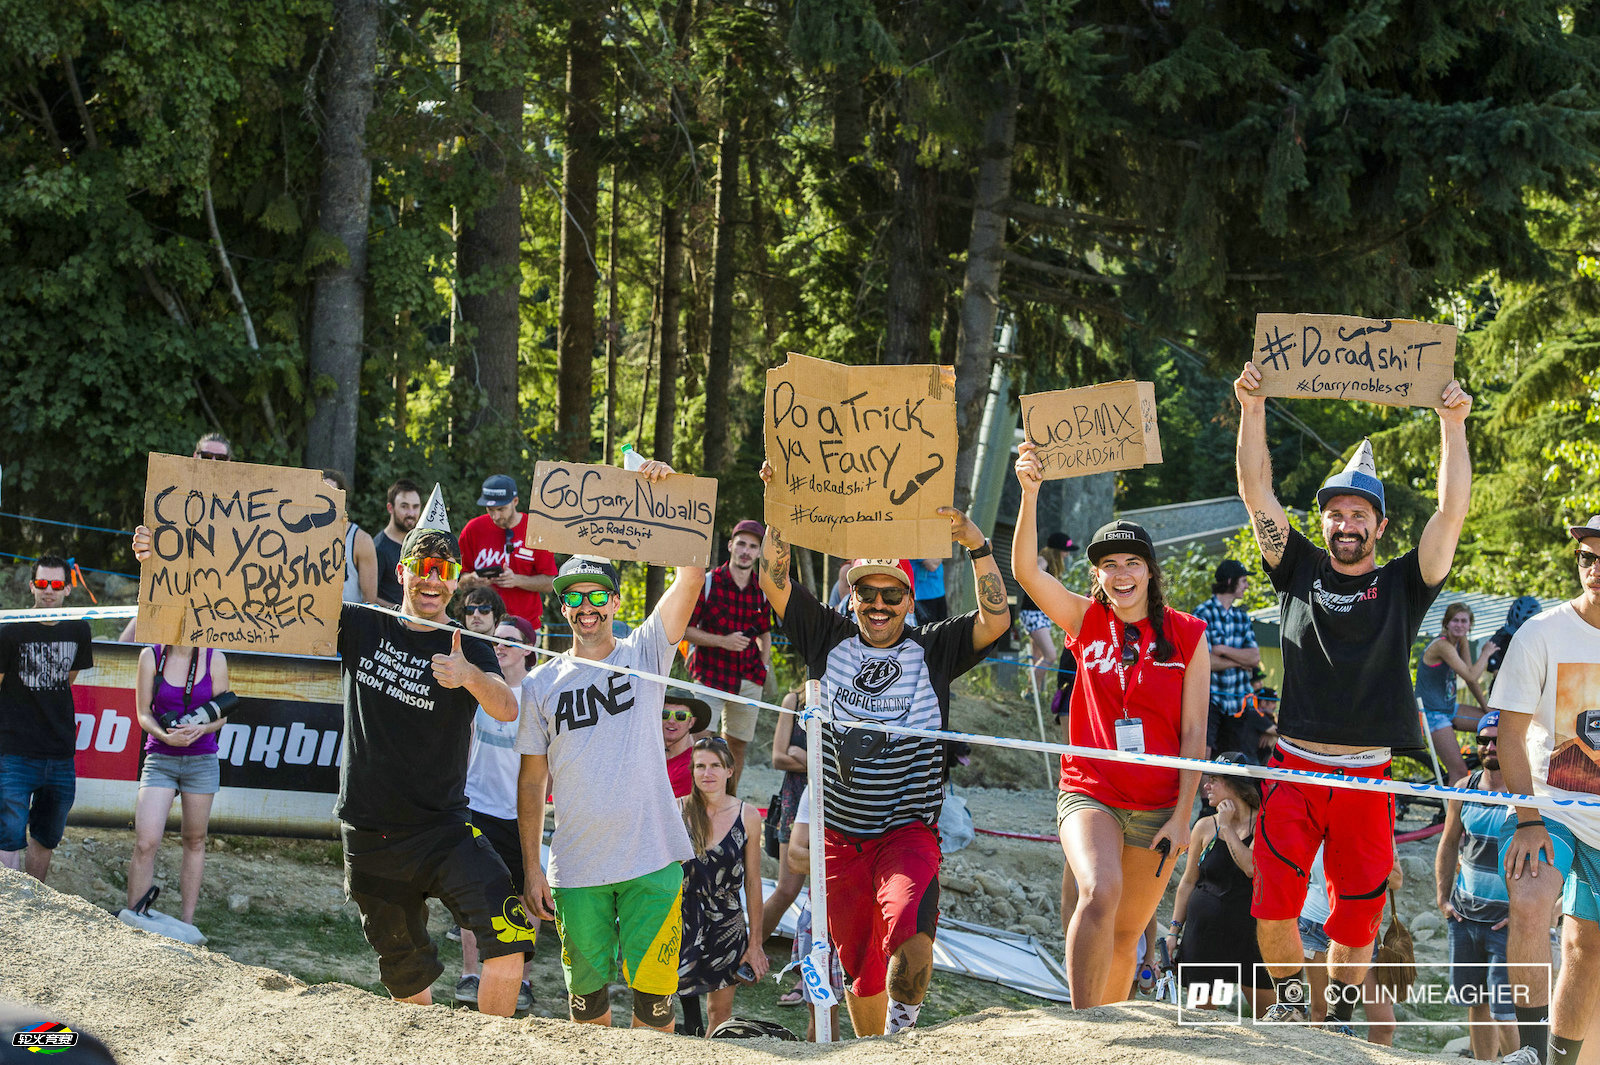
point(1458, 1048)
point(1423, 935)
point(959, 884)
point(1003, 909)
point(238, 903)
point(991, 884)
point(1417, 870)
point(1038, 924)
point(1432, 919)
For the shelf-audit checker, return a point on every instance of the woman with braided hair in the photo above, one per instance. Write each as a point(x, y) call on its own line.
point(1144, 681)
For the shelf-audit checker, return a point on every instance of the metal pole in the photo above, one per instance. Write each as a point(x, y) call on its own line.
point(820, 978)
point(1038, 710)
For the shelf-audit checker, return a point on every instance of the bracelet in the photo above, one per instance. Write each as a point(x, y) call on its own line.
point(1174, 927)
point(1539, 823)
point(981, 552)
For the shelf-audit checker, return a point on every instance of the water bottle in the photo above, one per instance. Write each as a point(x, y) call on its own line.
point(631, 459)
point(1147, 978)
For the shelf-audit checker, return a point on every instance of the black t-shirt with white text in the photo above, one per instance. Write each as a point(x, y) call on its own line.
point(1347, 647)
point(874, 782)
point(36, 713)
point(406, 736)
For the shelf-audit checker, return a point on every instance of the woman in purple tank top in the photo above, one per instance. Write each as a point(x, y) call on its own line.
point(176, 684)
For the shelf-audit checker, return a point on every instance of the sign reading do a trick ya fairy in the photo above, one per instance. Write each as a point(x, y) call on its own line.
point(1394, 361)
point(243, 557)
point(862, 457)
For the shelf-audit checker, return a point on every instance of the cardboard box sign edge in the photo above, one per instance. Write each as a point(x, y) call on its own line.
point(1424, 388)
point(1146, 451)
point(549, 534)
point(165, 622)
point(935, 382)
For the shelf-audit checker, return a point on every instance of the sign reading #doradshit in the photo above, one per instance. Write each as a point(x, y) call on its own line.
point(863, 457)
point(1079, 431)
point(243, 557)
point(1394, 361)
point(585, 509)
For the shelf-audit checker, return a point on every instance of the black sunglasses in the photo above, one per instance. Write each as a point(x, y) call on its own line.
point(866, 594)
point(477, 608)
point(1130, 645)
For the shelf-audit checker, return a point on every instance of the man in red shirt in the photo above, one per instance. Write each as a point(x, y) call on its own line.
point(681, 718)
point(732, 635)
point(494, 551)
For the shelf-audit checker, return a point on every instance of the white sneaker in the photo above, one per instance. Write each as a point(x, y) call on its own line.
point(1287, 1013)
point(1522, 1056)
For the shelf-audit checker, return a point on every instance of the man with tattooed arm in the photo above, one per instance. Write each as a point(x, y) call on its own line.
point(883, 792)
point(1348, 625)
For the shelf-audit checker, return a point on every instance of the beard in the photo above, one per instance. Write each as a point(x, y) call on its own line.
point(1349, 553)
point(407, 523)
point(1491, 762)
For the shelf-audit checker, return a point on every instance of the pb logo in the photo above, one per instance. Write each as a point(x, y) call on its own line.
point(1218, 993)
point(876, 675)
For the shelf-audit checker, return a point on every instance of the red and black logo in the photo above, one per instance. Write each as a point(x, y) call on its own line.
point(876, 675)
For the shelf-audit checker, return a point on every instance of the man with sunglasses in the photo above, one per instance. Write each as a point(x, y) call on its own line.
point(592, 736)
point(412, 688)
point(1472, 895)
point(1548, 697)
point(39, 661)
point(681, 718)
point(883, 793)
point(494, 550)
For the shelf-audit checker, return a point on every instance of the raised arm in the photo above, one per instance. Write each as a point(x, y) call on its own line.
point(1064, 607)
point(1437, 548)
point(773, 568)
point(366, 553)
point(677, 605)
point(994, 616)
point(1253, 464)
point(455, 671)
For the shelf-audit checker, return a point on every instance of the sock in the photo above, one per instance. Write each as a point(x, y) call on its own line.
point(1341, 1004)
point(1563, 1051)
point(1533, 1028)
point(1291, 989)
point(902, 1016)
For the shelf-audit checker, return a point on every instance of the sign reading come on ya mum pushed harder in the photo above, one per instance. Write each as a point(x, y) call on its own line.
point(242, 557)
point(1394, 361)
point(862, 457)
point(621, 514)
point(1079, 431)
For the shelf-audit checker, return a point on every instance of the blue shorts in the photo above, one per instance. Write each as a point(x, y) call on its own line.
point(1313, 936)
point(1478, 967)
point(35, 797)
point(1580, 894)
point(1438, 719)
point(1561, 840)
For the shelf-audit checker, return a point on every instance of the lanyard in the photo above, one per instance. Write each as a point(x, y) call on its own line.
point(188, 687)
point(1123, 679)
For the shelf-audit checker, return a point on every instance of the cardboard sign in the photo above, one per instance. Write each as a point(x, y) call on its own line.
point(244, 556)
point(1079, 431)
point(863, 456)
point(1394, 361)
point(619, 514)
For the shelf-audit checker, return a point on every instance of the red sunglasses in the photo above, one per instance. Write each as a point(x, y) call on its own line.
point(54, 586)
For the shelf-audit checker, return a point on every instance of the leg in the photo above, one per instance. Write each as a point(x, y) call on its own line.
point(469, 953)
point(1317, 974)
point(196, 816)
point(907, 876)
point(37, 862)
point(1069, 894)
point(47, 819)
point(1449, 750)
point(1141, 892)
point(910, 969)
point(1380, 1015)
point(739, 727)
point(1092, 842)
point(498, 987)
point(16, 793)
point(783, 895)
point(719, 1007)
point(869, 1015)
point(149, 822)
point(650, 927)
point(1483, 1036)
point(1281, 947)
point(1534, 894)
point(1577, 991)
point(1349, 964)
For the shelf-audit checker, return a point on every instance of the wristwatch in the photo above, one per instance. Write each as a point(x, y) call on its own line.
point(982, 552)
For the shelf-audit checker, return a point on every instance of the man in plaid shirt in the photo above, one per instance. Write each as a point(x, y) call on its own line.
point(731, 631)
point(1233, 656)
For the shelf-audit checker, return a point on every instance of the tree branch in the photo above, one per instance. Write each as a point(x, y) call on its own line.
point(267, 411)
point(89, 137)
point(1061, 271)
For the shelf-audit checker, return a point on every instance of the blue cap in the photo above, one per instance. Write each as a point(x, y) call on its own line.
point(1358, 478)
point(1489, 720)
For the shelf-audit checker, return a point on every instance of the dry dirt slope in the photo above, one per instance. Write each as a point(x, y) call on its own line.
point(153, 1001)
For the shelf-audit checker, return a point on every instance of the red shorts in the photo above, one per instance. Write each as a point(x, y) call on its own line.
point(1356, 829)
point(881, 892)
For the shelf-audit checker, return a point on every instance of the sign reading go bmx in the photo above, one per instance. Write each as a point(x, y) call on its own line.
point(1079, 431)
point(242, 556)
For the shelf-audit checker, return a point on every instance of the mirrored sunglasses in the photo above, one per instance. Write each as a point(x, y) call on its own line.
point(442, 568)
point(54, 586)
point(598, 597)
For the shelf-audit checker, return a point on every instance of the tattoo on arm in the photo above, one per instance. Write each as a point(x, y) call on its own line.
point(1270, 534)
point(780, 565)
point(992, 593)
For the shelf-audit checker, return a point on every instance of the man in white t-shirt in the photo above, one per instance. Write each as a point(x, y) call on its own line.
point(1548, 695)
point(593, 736)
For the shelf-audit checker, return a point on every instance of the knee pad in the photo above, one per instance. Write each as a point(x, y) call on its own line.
point(590, 1007)
point(654, 1010)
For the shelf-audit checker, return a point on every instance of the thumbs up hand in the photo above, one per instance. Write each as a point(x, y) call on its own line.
point(452, 670)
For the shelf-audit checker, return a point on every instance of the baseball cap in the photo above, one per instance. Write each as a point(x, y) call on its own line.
point(498, 491)
point(898, 568)
point(1489, 720)
point(1587, 529)
point(699, 707)
point(751, 526)
point(1236, 758)
point(1121, 535)
point(1231, 570)
point(1060, 541)
point(580, 569)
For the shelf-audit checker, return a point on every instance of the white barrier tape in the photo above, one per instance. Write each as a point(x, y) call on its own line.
point(1292, 776)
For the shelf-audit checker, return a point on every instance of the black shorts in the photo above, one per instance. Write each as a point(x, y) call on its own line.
point(390, 877)
point(506, 840)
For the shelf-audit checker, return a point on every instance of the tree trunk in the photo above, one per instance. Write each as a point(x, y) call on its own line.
point(980, 292)
point(344, 200)
point(488, 251)
point(580, 181)
point(909, 311)
point(719, 357)
point(667, 390)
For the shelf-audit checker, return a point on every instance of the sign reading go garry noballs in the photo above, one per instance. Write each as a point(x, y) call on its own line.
point(863, 457)
point(1078, 431)
point(615, 513)
point(1394, 361)
point(244, 557)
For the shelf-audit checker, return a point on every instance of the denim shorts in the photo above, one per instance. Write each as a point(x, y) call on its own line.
point(1478, 967)
point(191, 774)
point(1438, 719)
point(1313, 936)
point(35, 797)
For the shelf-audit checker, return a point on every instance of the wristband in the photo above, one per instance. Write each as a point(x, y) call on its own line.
point(1539, 823)
point(1174, 927)
point(982, 552)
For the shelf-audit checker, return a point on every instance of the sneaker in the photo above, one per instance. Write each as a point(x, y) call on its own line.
point(454, 935)
point(1522, 1056)
point(525, 997)
point(1339, 1028)
point(1286, 1013)
point(467, 991)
